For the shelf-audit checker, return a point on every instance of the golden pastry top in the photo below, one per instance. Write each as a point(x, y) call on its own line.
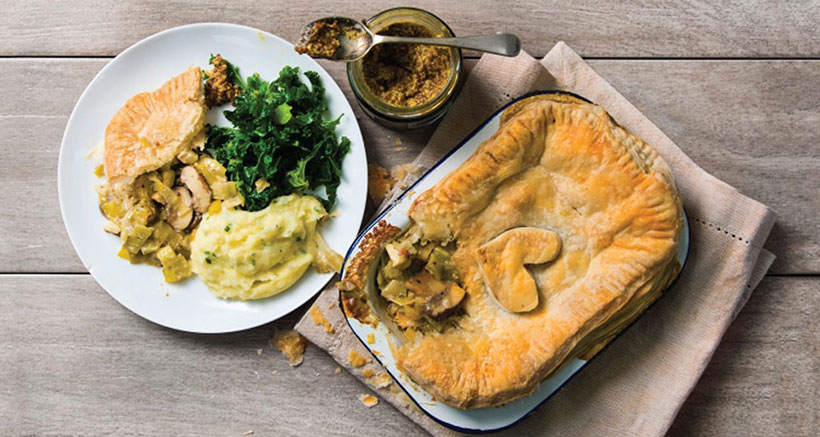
point(565, 168)
point(565, 227)
point(154, 127)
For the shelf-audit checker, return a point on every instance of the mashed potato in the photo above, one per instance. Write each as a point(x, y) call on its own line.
point(252, 255)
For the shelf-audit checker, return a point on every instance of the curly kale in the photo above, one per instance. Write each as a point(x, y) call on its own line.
point(280, 134)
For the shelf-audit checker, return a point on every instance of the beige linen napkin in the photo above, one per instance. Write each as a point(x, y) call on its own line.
point(638, 384)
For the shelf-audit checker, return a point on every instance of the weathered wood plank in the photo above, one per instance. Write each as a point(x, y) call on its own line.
point(76, 362)
point(693, 28)
point(763, 378)
point(751, 123)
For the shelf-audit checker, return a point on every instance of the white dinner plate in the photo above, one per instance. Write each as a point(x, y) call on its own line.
point(188, 305)
point(478, 419)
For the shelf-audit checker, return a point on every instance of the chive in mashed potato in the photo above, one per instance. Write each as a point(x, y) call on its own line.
point(253, 255)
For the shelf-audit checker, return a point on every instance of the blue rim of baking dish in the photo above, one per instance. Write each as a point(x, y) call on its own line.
point(396, 201)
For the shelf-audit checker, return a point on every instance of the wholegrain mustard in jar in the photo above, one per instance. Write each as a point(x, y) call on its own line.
point(405, 86)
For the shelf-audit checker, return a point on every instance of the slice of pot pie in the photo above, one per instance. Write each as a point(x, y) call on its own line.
point(154, 127)
point(548, 241)
point(157, 186)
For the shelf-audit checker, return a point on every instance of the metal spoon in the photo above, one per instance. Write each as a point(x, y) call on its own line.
point(356, 39)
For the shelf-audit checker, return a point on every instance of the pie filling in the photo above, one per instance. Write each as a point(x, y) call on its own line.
point(156, 215)
point(419, 284)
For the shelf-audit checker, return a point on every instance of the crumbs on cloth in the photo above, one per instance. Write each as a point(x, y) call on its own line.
point(400, 172)
point(319, 318)
point(356, 360)
point(381, 181)
point(292, 344)
point(380, 380)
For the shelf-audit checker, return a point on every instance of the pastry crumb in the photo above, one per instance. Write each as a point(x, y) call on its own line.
point(292, 344)
point(319, 319)
point(368, 401)
point(403, 398)
point(371, 338)
point(259, 352)
point(398, 141)
point(338, 370)
point(368, 373)
point(356, 360)
point(379, 182)
point(249, 432)
point(274, 372)
point(382, 380)
point(400, 172)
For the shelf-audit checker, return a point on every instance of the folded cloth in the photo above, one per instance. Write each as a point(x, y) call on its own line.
point(637, 385)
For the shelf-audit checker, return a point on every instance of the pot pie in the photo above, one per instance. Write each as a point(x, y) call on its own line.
point(556, 234)
point(158, 180)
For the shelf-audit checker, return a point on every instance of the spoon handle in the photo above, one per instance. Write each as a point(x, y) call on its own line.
point(505, 44)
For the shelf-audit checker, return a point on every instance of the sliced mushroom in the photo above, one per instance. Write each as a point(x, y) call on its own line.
point(502, 260)
point(195, 221)
point(198, 187)
point(442, 304)
point(439, 298)
point(181, 214)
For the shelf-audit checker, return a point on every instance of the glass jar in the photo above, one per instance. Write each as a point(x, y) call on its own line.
point(408, 117)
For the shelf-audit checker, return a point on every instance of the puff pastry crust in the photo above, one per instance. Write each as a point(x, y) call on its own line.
point(153, 127)
point(602, 208)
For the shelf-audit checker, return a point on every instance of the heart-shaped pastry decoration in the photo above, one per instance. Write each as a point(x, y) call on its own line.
point(502, 263)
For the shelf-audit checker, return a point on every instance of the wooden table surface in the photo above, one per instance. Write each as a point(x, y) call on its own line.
point(735, 84)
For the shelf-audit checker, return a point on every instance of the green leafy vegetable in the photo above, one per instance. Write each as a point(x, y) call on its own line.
point(283, 114)
point(280, 134)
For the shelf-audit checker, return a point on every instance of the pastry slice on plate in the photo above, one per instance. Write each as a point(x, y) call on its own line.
point(152, 128)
